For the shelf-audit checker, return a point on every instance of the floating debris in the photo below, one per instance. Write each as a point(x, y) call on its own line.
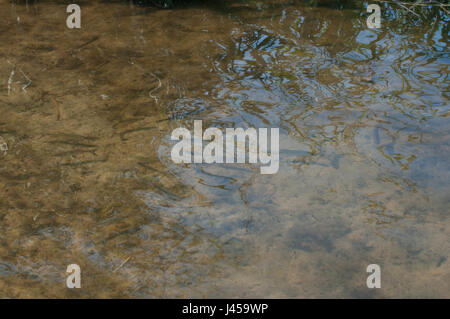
point(10, 79)
point(123, 263)
point(122, 135)
point(58, 109)
point(24, 87)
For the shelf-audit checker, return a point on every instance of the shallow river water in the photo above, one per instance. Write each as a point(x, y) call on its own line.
point(86, 175)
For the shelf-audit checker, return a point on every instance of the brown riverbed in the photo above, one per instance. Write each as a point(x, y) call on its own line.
point(86, 175)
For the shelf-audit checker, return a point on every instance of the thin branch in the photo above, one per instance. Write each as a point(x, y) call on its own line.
point(123, 263)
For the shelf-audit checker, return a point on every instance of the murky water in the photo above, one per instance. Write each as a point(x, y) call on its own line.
point(86, 175)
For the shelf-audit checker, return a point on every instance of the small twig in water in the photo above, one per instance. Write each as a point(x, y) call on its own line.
point(409, 6)
point(58, 109)
point(78, 49)
point(151, 91)
point(407, 9)
point(24, 88)
point(11, 76)
point(121, 265)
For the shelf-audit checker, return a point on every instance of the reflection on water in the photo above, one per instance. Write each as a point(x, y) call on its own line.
point(86, 175)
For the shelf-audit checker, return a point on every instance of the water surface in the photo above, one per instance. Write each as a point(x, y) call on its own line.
point(86, 175)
